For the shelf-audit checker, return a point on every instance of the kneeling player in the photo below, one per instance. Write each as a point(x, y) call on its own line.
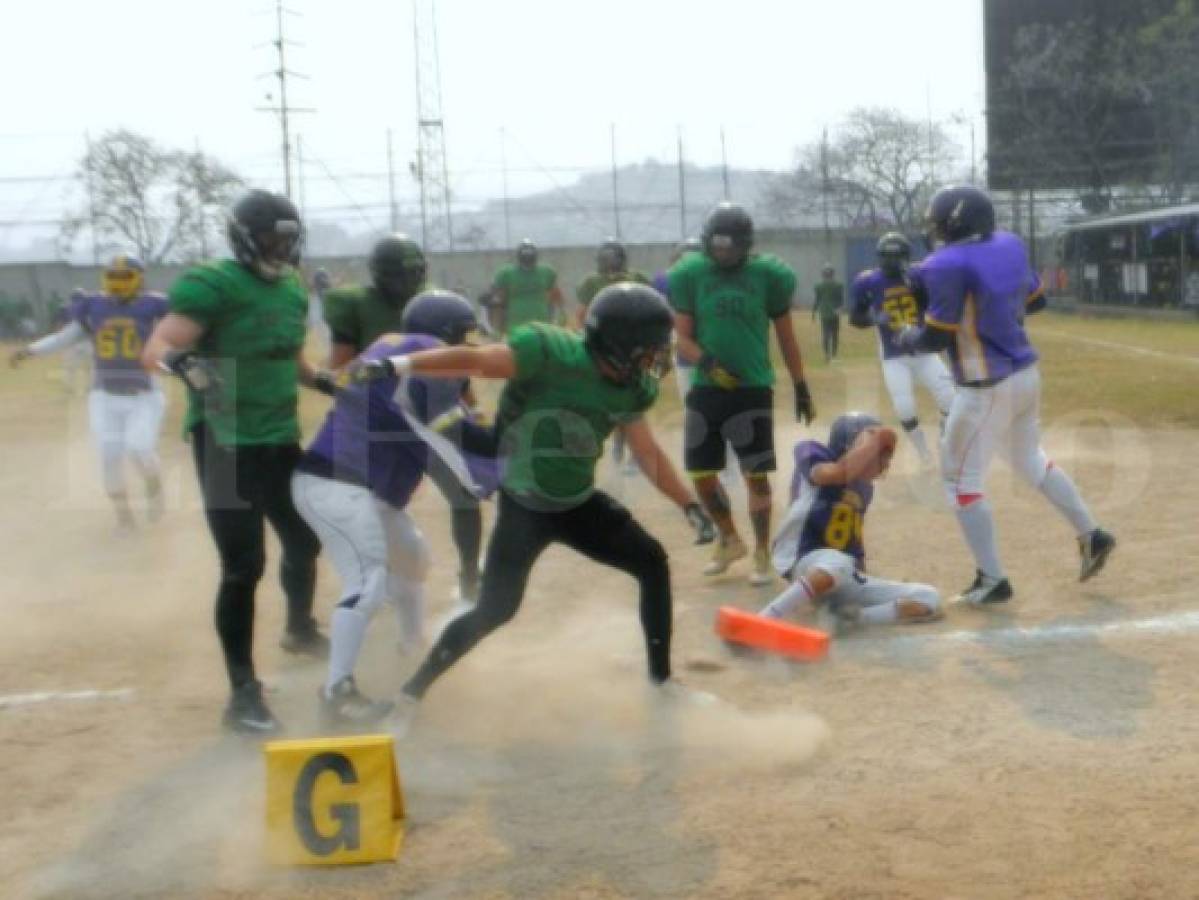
point(354, 484)
point(819, 547)
point(566, 393)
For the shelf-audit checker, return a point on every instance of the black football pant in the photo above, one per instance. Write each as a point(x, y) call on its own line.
point(242, 486)
point(466, 518)
point(601, 529)
point(830, 331)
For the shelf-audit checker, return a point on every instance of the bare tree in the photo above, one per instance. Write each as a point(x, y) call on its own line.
point(162, 203)
point(877, 170)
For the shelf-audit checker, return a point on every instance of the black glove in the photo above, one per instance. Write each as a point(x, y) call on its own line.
point(721, 377)
point(705, 528)
point(199, 374)
point(804, 410)
point(324, 382)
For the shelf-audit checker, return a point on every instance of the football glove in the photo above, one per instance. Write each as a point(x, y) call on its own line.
point(705, 528)
point(804, 410)
point(199, 374)
point(721, 376)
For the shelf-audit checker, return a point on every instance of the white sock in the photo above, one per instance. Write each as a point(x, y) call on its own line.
point(789, 600)
point(979, 530)
point(346, 632)
point(1059, 489)
point(882, 614)
point(917, 436)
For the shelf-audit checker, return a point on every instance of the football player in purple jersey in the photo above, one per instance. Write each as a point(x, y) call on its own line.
point(980, 287)
point(890, 298)
point(125, 406)
point(819, 546)
point(354, 482)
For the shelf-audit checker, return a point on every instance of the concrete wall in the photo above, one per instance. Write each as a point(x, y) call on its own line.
point(45, 284)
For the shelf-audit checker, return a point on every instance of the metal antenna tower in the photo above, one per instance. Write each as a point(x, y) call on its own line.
point(282, 109)
point(430, 168)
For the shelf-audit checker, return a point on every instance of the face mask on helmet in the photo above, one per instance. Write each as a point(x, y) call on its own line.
point(610, 259)
point(526, 255)
point(123, 278)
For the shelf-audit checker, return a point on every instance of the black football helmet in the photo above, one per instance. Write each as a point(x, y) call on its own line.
point(959, 213)
point(845, 431)
point(265, 233)
point(628, 327)
point(728, 235)
point(398, 267)
point(612, 257)
point(440, 314)
point(526, 254)
point(894, 253)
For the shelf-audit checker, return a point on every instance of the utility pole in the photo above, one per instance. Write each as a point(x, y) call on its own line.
point(504, 177)
point(431, 169)
point(682, 192)
point(615, 190)
point(300, 173)
point(724, 164)
point(91, 199)
point(391, 186)
point(283, 109)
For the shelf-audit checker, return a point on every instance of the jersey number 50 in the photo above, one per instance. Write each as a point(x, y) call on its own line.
point(118, 340)
point(844, 525)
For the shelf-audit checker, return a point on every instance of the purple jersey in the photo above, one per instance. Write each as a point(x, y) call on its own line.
point(979, 291)
point(892, 302)
point(119, 329)
point(366, 438)
point(821, 518)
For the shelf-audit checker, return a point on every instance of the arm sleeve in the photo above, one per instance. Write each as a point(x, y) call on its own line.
point(782, 289)
point(529, 351)
point(859, 309)
point(71, 333)
point(681, 294)
point(197, 295)
point(342, 318)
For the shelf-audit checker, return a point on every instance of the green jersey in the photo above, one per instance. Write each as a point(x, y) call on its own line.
point(526, 292)
point(253, 331)
point(733, 311)
point(596, 282)
point(359, 315)
point(830, 297)
point(555, 414)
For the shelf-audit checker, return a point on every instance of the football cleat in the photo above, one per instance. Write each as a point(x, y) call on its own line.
point(727, 551)
point(344, 704)
point(1094, 549)
point(985, 590)
point(247, 712)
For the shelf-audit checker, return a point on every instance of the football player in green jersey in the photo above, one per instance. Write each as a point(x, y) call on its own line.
point(525, 291)
point(566, 393)
point(726, 301)
point(611, 266)
point(235, 335)
point(359, 316)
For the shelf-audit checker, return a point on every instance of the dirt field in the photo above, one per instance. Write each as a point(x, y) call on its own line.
point(1045, 749)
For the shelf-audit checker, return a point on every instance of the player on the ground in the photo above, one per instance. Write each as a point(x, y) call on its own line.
point(980, 287)
point(235, 336)
point(525, 291)
point(726, 300)
point(354, 484)
point(829, 297)
point(125, 406)
point(819, 547)
point(891, 298)
point(566, 393)
point(611, 267)
point(359, 316)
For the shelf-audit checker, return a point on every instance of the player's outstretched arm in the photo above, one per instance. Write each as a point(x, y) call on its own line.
point(665, 477)
point(489, 361)
point(69, 334)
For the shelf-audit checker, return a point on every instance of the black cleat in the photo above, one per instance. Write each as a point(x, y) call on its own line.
point(309, 642)
point(247, 712)
point(985, 590)
point(1094, 549)
point(346, 705)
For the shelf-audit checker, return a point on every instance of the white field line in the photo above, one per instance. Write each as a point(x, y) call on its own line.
point(14, 700)
point(1126, 348)
point(1173, 623)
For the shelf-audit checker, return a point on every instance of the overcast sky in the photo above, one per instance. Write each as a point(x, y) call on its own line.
point(556, 75)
